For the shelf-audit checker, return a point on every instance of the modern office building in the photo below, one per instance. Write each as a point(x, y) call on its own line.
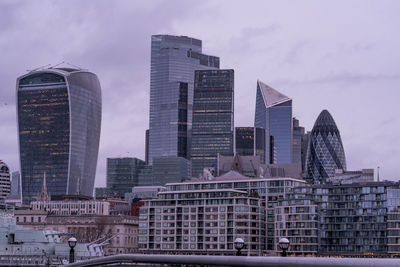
point(250, 141)
point(212, 123)
point(123, 174)
point(16, 185)
point(274, 114)
point(146, 147)
point(5, 182)
point(173, 62)
point(59, 118)
point(300, 144)
point(325, 152)
point(168, 169)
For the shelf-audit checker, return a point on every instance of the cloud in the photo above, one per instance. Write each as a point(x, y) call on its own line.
point(299, 49)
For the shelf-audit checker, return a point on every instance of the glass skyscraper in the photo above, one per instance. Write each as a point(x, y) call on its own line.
point(325, 152)
point(250, 141)
point(212, 129)
point(274, 114)
point(59, 119)
point(173, 62)
point(123, 174)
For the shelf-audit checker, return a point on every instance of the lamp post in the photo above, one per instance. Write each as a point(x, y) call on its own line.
point(72, 243)
point(239, 244)
point(284, 245)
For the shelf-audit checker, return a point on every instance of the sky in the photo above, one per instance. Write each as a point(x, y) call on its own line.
point(342, 56)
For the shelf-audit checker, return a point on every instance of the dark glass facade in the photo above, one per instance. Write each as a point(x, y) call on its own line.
point(250, 141)
point(274, 114)
point(123, 174)
point(173, 62)
point(212, 129)
point(59, 119)
point(325, 152)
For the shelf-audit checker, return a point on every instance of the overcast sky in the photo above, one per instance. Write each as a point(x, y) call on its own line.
point(342, 56)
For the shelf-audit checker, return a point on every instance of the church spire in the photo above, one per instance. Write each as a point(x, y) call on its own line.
point(44, 196)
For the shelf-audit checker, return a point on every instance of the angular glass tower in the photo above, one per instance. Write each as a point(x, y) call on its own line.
point(212, 130)
point(59, 119)
point(274, 114)
point(173, 62)
point(325, 152)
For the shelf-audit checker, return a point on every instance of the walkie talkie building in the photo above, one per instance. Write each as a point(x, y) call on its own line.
point(59, 119)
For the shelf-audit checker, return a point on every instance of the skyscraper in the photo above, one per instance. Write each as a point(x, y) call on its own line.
point(212, 129)
point(123, 174)
point(5, 182)
point(274, 114)
point(250, 141)
point(300, 144)
point(173, 62)
point(59, 117)
point(325, 152)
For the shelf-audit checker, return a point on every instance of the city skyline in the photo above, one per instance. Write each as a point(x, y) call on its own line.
point(348, 69)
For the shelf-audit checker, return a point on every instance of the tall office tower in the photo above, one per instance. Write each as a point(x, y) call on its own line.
point(250, 141)
point(325, 152)
point(16, 185)
point(212, 128)
point(5, 183)
point(123, 174)
point(59, 117)
point(173, 62)
point(274, 114)
point(146, 151)
point(300, 142)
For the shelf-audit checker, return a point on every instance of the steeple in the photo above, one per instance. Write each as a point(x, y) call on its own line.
point(44, 196)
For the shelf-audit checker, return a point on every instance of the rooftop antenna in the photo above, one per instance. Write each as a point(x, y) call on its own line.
point(52, 67)
point(41, 67)
point(74, 66)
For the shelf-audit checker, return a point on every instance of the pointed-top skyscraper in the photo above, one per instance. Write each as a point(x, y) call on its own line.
point(325, 153)
point(274, 114)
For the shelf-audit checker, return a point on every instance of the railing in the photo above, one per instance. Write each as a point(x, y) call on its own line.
point(238, 261)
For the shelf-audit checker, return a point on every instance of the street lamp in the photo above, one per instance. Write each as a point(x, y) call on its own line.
point(284, 245)
point(239, 244)
point(72, 243)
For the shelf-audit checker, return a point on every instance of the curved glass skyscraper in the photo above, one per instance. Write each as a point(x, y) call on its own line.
point(325, 152)
point(59, 119)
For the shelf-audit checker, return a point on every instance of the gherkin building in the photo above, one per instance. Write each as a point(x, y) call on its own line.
point(325, 151)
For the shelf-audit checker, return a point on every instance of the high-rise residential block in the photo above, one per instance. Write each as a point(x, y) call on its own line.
point(59, 118)
point(250, 141)
point(173, 62)
point(5, 182)
point(274, 114)
point(325, 152)
point(212, 128)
